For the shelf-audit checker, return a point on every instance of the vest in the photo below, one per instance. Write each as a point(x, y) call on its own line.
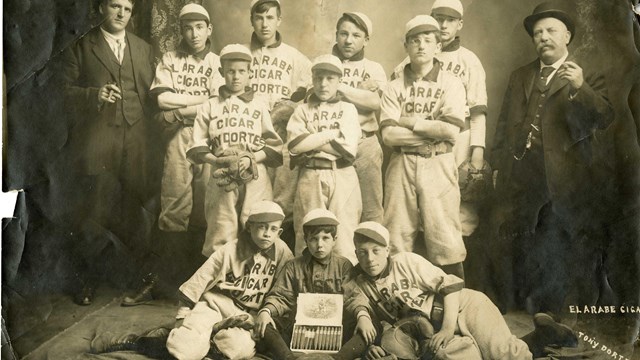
point(535, 109)
point(129, 108)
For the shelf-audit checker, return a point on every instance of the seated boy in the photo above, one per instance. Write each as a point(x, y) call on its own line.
point(234, 280)
point(387, 288)
point(323, 138)
point(225, 293)
point(234, 122)
point(318, 270)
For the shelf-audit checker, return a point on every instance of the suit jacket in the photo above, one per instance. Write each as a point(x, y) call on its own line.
point(569, 128)
point(96, 141)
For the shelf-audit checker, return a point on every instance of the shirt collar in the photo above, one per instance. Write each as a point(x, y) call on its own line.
point(185, 49)
point(309, 259)
point(110, 37)
point(256, 44)
point(453, 46)
point(356, 57)
point(246, 248)
point(313, 100)
point(555, 65)
point(432, 75)
point(246, 96)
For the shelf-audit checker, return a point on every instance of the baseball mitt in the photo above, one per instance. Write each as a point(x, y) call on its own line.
point(475, 184)
point(230, 174)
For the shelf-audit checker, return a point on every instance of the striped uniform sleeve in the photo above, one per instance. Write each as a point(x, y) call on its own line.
point(200, 141)
point(430, 277)
point(205, 278)
point(477, 100)
point(273, 144)
point(163, 80)
point(347, 143)
point(282, 296)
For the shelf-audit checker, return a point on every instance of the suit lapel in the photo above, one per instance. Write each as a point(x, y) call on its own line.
point(529, 78)
point(104, 54)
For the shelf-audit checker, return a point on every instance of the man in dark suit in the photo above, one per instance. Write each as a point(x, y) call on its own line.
point(548, 181)
point(107, 75)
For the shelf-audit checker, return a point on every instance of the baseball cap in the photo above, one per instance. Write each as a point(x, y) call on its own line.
point(451, 8)
point(327, 62)
point(235, 343)
point(255, 3)
point(319, 217)
point(265, 211)
point(194, 12)
point(549, 9)
point(361, 20)
point(374, 232)
point(419, 24)
point(235, 52)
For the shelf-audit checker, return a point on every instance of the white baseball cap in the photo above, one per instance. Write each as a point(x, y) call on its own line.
point(451, 8)
point(361, 20)
point(374, 232)
point(328, 62)
point(265, 211)
point(235, 52)
point(419, 24)
point(194, 12)
point(319, 217)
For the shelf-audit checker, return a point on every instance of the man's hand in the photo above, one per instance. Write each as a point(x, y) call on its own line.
point(366, 329)
point(440, 339)
point(572, 73)
point(375, 352)
point(407, 122)
point(109, 93)
point(370, 85)
point(262, 321)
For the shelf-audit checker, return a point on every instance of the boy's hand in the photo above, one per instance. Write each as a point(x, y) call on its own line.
point(366, 329)
point(375, 352)
point(262, 321)
point(440, 339)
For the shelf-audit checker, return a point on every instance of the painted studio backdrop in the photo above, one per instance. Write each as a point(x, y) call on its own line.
point(37, 159)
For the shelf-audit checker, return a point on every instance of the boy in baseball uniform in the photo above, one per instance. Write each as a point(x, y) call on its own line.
point(235, 121)
point(233, 281)
point(323, 138)
point(403, 286)
point(282, 74)
point(464, 64)
point(362, 83)
point(185, 78)
point(421, 116)
point(317, 270)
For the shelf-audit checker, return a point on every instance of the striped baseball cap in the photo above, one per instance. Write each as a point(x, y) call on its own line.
point(419, 24)
point(328, 62)
point(235, 52)
point(451, 8)
point(194, 12)
point(319, 217)
point(265, 211)
point(374, 232)
point(361, 20)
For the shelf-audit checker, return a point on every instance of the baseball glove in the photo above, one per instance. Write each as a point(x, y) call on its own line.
point(229, 173)
point(475, 184)
point(280, 115)
point(408, 338)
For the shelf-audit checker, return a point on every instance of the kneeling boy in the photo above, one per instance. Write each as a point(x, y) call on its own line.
point(318, 270)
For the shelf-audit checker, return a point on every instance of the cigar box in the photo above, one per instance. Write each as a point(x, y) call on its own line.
point(318, 324)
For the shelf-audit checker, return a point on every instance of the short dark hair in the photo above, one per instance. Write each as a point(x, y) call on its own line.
point(100, 2)
point(264, 7)
point(311, 230)
point(436, 33)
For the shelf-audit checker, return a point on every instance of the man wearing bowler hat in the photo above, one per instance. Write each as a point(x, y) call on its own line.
point(545, 161)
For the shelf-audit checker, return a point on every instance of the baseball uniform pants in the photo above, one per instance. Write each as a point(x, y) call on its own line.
point(183, 186)
point(337, 191)
point(223, 208)
point(368, 166)
point(423, 193)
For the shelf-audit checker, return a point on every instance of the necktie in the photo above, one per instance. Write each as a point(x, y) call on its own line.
point(119, 50)
point(544, 74)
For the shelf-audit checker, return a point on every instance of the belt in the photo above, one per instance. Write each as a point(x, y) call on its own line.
point(325, 164)
point(428, 150)
point(367, 134)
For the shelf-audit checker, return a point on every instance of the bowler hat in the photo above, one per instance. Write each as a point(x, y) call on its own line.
point(545, 10)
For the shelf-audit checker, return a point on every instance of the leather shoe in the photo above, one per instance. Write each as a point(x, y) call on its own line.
point(109, 342)
point(144, 294)
point(85, 296)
